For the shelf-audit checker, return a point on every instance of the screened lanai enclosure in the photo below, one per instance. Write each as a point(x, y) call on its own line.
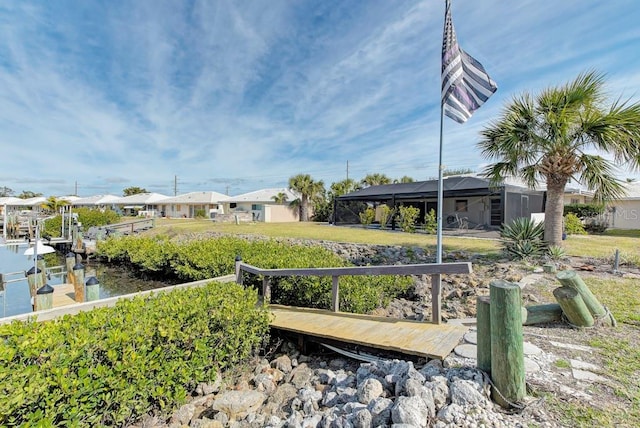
point(468, 202)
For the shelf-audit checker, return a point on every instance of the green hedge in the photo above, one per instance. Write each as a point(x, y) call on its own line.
point(212, 257)
point(112, 365)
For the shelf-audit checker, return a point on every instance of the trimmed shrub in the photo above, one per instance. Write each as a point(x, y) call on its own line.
point(408, 217)
point(385, 213)
point(213, 257)
point(573, 225)
point(112, 365)
point(430, 222)
point(367, 216)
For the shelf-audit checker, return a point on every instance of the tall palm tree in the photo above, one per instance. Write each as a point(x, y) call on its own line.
point(280, 198)
point(53, 204)
point(555, 136)
point(375, 179)
point(404, 179)
point(309, 189)
point(343, 187)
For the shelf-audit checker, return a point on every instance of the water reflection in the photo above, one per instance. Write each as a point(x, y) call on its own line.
point(15, 298)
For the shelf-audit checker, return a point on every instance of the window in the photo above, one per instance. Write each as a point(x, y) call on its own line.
point(575, 200)
point(256, 207)
point(233, 205)
point(461, 205)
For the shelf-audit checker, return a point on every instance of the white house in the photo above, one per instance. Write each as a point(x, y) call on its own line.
point(624, 213)
point(191, 204)
point(261, 205)
point(147, 203)
point(96, 201)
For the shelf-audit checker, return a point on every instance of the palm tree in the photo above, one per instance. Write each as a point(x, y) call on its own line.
point(404, 179)
point(375, 180)
point(280, 198)
point(343, 187)
point(552, 138)
point(53, 204)
point(309, 189)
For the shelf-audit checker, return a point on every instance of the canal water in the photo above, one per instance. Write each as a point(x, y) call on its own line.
point(15, 299)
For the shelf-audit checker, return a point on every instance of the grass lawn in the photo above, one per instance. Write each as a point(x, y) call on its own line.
point(598, 246)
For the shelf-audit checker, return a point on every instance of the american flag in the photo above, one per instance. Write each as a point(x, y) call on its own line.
point(465, 83)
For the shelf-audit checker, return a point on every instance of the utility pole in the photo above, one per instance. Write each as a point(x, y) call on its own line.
point(175, 185)
point(347, 170)
point(76, 188)
point(227, 190)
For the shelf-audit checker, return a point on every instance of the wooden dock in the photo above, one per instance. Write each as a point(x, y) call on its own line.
point(407, 337)
point(63, 295)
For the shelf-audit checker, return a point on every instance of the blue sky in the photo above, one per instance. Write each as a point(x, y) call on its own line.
point(235, 96)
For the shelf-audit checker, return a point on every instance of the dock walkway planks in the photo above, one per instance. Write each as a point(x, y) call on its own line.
point(408, 337)
point(63, 295)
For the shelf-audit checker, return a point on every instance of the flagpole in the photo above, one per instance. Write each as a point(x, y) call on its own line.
point(440, 193)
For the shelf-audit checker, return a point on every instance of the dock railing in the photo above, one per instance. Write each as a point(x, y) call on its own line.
point(436, 270)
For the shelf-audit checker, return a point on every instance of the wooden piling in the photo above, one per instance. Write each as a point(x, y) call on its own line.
point(92, 287)
point(573, 306)
point(44, 298)
point(78, 283)
point(483, 319)
point(571, 279)
point(507, 346)
point(540, 314)
point(70, 261)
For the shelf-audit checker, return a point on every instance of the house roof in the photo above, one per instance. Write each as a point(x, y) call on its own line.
point(455, 185)
point(197, 198)
point(9, 200)
point(31, 202)
point(633, 191)
point(96, 200)
point(141, 199)
point(264, 196)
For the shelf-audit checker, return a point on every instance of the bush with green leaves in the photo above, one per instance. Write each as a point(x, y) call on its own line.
point(430, 222)
point(367, 216)
point(385, 213)
point(86, 216)
point(408, 217)
point(523, 238)
point(110, 366)
point(573, 225)
point(212, 257)
point(583, 211)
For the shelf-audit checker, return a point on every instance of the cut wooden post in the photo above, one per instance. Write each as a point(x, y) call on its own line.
point(571, 279)
point(573, 306)
point(335, 294)
point(540, 314)
point(507, 353)
point(549, 268)
point(483, 319)
point(436, 299)
point(266, 290)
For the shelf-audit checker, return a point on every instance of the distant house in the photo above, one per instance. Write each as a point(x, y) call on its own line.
point(624, 213)
point(189, 205)
point(467, 200)
point(96, 201)
point(261, 206)
point(141, 203)
point(8, 204)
